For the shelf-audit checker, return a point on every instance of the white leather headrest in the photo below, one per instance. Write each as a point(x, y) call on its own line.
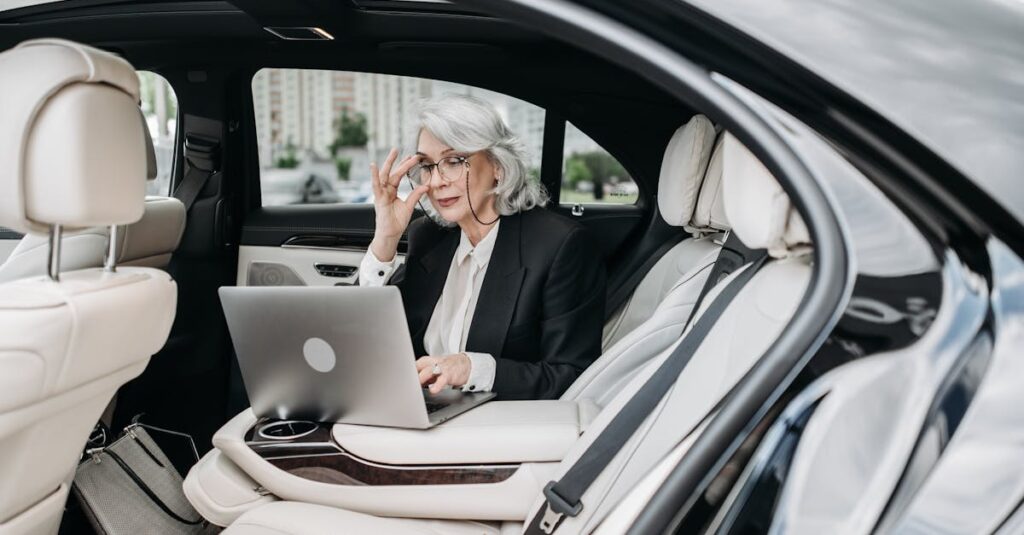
point(682, 171)
point(71, 141)
point(761, 213)
point(709, 213)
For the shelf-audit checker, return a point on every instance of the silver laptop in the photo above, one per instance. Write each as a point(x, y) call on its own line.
point(334, 354)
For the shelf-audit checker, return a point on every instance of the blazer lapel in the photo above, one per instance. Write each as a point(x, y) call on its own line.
point(499, 291)
point(434, 268)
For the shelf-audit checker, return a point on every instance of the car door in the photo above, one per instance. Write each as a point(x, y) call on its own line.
point(314, 219)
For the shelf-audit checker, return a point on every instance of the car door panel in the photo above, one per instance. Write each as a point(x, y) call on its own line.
point(610, 224)
point(308, 245)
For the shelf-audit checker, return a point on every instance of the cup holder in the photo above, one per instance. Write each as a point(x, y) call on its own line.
point(286, 429)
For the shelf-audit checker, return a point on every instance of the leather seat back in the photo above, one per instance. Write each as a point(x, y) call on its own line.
point(72, 155)
point(762, 216)
point(690, 197)
point(146, 242)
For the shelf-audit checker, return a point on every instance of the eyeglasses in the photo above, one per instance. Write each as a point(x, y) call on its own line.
point(450, 169)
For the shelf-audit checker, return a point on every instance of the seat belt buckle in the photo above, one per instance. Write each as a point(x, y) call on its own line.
point(555, 508)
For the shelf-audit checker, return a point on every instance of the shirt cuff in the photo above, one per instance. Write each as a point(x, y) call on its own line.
point(373, 272)
point(481, 372)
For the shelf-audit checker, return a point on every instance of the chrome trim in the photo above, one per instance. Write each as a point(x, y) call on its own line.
point(53, 255)
point(322, 34)
point(313, 427)
point(325, 248)
point(110, 262)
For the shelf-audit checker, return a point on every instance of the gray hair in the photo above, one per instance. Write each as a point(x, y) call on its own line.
point(468, 124)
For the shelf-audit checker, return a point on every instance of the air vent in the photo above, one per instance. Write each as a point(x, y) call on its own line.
point(299, 33)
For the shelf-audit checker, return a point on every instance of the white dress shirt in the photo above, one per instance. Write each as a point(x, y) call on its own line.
point(449, 324)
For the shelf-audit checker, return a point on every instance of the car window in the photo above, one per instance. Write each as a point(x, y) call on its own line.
point(590, 174)
point(318, 130)
point(160, 108)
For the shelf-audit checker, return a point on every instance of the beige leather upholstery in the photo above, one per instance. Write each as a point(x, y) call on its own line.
point(148, 242)
point(505, 500)
point(761, 213)
point(220, 491)
point(682, 170)
point(497, 432)
point(689, 196)
point(759, 312)
point(65, 347)
point(278, 518)
point(64, 105)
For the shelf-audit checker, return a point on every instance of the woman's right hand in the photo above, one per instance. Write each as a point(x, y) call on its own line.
point(392, 214)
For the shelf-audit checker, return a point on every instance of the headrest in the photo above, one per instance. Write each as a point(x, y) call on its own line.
point(682, 171)
point(71, 142)
point(761, 213)
point(147, 242)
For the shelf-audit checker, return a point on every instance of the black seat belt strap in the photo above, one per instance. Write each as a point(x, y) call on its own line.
point(202, 160)
point(563, 496)
point(732, 256)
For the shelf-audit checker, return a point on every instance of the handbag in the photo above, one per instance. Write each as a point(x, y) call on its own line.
point(131, 487)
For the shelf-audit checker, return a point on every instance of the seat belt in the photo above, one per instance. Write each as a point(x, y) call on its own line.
point(733, 255)
point(562, 497)
point(202, 160)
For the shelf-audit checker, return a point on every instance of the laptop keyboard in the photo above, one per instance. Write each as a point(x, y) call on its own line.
point(434, 407)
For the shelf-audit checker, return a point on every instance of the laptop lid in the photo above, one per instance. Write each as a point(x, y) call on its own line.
point(334, 354)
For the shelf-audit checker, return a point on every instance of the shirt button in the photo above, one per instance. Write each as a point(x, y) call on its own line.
point(380, 273)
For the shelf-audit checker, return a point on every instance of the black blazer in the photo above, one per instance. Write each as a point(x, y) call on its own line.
point(540, 311)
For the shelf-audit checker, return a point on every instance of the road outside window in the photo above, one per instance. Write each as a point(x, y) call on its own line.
point(160, 108)
point(318, 130)
point(591, 175)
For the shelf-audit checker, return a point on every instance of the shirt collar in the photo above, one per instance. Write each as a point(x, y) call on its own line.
point(481, 254)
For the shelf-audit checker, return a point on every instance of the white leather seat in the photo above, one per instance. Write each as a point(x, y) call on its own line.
point(762, 217)
point(147, 242)
point(688, 200)
point(68, 111)
point(689, 196)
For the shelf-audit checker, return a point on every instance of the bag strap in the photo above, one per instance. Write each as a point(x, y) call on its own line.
point(148, 491)
point(562, 497)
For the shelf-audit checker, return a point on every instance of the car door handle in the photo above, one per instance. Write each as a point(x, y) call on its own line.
point(335, 270)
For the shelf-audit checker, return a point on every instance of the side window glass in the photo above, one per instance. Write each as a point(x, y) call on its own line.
point(317, 130)
point(591, 175)
point(160, 108)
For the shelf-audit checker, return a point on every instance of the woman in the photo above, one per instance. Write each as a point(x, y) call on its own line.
point(500, 294)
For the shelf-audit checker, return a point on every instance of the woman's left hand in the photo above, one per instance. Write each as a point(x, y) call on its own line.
point(454, 371)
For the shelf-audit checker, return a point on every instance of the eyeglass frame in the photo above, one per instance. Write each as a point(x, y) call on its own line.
point(463, 159)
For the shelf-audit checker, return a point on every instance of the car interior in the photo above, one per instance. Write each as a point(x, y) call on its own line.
point(708, 219)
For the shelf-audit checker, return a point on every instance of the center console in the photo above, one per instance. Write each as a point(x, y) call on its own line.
point(489, 463)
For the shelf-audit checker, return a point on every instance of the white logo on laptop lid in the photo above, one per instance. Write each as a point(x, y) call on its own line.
point(319, 355)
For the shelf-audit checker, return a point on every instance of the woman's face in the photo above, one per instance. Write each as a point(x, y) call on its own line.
point(450, 197)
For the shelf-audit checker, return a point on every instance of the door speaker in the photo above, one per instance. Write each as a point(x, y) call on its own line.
point(272, 274)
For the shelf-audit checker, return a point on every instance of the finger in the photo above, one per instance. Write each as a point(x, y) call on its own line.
point(425, 362)
point(403, 167)
point(414, 197)
point(374, 181)
point(426, 376)
point(439, 384)
point(385, 170)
